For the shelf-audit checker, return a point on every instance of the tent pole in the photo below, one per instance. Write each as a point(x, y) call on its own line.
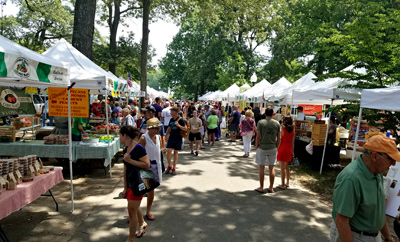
point(357, 133)
point(326, 139)
point(108, 134)
point(70, 150)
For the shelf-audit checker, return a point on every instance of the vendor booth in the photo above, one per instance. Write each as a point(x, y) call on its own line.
point(21, 67)
point(328, 92)
point(88, 75)
point(384, 99)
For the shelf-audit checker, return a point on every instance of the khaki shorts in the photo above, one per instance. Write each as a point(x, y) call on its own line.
point(262, 156)
point(357, 237)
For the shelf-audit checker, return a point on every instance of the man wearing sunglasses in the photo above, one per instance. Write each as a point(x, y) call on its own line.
point(359, 205)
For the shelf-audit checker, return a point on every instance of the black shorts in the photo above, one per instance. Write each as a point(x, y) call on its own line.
point(193, 136)
point(234, 127)
point(212, 131)
point(174, 144)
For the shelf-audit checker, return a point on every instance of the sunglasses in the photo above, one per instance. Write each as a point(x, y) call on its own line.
point(387, 157)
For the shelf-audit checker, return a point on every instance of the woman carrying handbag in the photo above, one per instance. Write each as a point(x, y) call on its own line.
point(135, 159)
point(247, 129)
point(154, 146)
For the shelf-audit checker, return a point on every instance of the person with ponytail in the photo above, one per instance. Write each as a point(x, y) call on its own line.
point(135, 156)
point(286, 150)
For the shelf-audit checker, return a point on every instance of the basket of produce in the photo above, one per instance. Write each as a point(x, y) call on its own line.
point(88, 138)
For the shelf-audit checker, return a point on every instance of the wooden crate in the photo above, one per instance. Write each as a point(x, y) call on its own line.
point(303, 132)
point(319, 129)
point(8, 132)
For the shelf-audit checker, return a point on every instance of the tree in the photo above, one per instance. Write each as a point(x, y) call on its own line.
point(43, 20)
point(127, 56)
point(113, 14)
point(82, 39)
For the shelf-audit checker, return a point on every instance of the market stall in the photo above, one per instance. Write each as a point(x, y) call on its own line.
point(86, 74)
point(21, 67)
point(384, 99)
point(330, 92)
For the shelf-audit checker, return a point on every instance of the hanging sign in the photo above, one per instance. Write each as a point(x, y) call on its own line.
point(31, 90)
point(14, 102)
point(58, 102)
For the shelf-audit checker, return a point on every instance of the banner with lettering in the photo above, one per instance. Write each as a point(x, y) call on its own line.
point(58, 102)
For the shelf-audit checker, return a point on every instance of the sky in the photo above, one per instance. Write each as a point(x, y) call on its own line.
point(161, 32)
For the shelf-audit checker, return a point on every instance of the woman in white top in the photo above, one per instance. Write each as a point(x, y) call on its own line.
point(153, 144)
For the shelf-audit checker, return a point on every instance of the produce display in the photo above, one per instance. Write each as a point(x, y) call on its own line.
point(55, 139)
point(94, 138)
point(103, 128)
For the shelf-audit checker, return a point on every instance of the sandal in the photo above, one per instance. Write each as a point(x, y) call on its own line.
point(150, 217)
point(259, 191)
point(287, 186)
point(142, 231)
point(270, 191)
point(281, 187)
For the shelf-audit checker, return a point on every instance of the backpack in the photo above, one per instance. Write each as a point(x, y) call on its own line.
point(185, 134)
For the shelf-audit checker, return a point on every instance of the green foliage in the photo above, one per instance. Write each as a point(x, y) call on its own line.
point(40, 22)
point(154, 80)
point(127, 56)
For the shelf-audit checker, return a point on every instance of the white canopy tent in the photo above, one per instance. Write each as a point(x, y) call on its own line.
point(213, 96)
point(381, 99)
point(84, 72)
point(21, 67)
point(202, 98)
point(229, 93)
point(326, 91)
point(280, 86)
point(251, 94)
point(304, 83)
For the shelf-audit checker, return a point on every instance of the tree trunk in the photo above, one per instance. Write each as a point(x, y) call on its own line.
point(113, 24)
point(82, 38)
point(145, 46)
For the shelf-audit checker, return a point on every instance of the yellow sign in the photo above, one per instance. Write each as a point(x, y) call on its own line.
point(112, 93)
point(31, 90)
point(58, 102)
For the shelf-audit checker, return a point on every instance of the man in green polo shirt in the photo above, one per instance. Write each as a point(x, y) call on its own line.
point(359, 197)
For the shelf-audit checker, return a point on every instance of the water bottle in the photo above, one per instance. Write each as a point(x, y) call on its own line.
point(388, 133)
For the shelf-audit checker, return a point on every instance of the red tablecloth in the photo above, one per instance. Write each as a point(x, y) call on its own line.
point(27, 192)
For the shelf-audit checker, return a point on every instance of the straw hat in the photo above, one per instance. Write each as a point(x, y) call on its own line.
point(96, 100)
point(153, 123)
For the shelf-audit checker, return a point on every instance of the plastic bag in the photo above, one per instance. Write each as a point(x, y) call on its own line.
point(223, 123)
point(310, 148)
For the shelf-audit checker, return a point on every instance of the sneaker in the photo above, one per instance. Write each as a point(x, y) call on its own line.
point(196, 153)
point(191, 152)
point(173, 172)
point(168, 170)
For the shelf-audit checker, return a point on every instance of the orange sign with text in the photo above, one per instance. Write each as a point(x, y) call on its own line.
point(311, 109)
point(58, 102)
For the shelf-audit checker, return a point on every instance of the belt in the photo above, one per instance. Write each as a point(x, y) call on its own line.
point(365, 233)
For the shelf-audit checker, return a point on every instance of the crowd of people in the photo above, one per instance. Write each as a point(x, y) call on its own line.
point(162, 126)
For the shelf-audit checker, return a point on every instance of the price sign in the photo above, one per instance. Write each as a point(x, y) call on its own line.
point(58, 102)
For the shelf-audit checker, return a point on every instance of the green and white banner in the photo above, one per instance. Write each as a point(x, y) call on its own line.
point(18, 67)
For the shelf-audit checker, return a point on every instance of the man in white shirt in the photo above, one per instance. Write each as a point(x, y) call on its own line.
point(166, 115)
point(300, 114)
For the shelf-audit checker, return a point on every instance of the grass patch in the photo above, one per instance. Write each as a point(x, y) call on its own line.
point(324, 184)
